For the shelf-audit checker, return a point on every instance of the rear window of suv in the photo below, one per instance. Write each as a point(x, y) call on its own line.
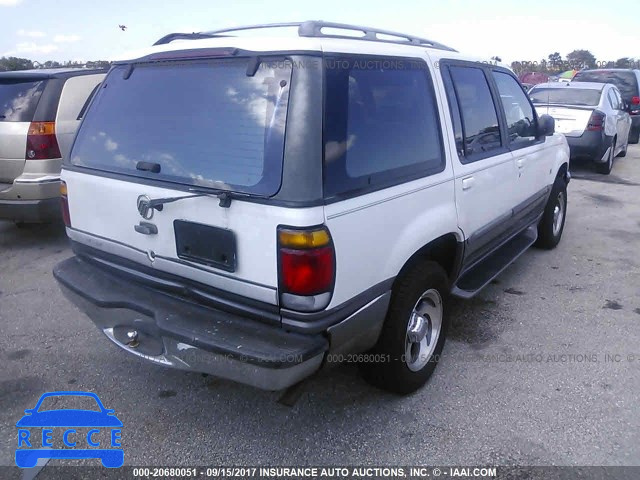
point(626, 81)
point(19, 99)
point(205, 123)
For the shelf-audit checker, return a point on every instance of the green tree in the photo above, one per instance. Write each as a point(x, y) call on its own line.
point(624, 62)
point(581, 58)
point(11, 64)
point(555, 62)
point(51, 64)
point(517, 67)
point(98, 64)
point(543, 67)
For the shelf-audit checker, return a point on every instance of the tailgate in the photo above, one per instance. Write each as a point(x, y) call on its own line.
point(196, 238)
point(571, 121)
point(13, 143)
point(177, 129)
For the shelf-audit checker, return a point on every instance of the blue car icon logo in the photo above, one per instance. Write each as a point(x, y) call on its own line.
point(72, 428)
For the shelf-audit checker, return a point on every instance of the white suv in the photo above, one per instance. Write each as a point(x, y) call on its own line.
point(258, 207)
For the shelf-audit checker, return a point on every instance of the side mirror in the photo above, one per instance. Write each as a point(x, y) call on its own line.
point(546, 126)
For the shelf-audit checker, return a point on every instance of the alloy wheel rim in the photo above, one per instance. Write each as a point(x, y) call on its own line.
point(423, 330)
point(558, 214)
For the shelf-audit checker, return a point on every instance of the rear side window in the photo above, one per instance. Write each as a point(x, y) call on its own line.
point(19, 99)
point(381, 124)
point(480, 129)
point(204, 123)
point(521, 119)
point(626, 81)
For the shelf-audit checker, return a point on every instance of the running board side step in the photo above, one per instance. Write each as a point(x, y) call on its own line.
point(479, 275)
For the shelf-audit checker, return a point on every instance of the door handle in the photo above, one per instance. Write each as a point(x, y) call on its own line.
point(467, 183)
point(520, 162)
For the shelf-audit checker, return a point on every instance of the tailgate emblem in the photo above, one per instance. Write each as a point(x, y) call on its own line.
point(144, 207)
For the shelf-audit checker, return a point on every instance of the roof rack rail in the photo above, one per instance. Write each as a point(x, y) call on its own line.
point(184, 36)
point(313, 28)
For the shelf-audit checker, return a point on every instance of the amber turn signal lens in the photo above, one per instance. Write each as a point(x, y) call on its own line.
point(42, 128)
point(303, 239)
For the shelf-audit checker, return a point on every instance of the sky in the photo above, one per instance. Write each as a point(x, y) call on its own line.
point(513, 30)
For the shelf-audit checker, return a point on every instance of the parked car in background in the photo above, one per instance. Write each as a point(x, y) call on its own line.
point(39, 114)
point(628, 82)
point(321, 212)
point(593, 117)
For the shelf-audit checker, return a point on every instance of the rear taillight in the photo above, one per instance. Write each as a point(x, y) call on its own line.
point(635, 100)
point(42, 143)
point(596, 122)
point(64, 204)
point(307, 268)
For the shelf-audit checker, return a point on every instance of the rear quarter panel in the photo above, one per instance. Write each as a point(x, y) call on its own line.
point(375, 234)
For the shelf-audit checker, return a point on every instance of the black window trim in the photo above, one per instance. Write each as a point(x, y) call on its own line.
point(445, 64)
point(393, 180)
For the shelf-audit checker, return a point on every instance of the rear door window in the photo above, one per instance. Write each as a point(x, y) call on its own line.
point(381, 124)
point(19, 99)
point(204, 123)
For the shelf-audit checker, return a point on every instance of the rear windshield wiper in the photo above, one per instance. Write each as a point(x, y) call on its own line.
point(223, 195)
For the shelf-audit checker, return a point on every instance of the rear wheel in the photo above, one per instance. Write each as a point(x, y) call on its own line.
point(605, 168)
point(634, 136)
point(623, 152)
point(551, 225)
point(413, 334)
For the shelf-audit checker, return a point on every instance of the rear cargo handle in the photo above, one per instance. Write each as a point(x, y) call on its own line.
point(146, 228)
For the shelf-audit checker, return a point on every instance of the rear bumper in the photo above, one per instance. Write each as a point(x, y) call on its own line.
point(174, 332)
point(31, 211)
point(590, 145)
point(31, 198)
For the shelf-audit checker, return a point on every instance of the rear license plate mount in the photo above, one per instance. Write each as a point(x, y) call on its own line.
point(205, 244)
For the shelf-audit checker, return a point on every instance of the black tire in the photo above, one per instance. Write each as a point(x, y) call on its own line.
point(634, 136)
point(605, 168)
point(548, 236)
point(623, 152)
point(389, 371)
